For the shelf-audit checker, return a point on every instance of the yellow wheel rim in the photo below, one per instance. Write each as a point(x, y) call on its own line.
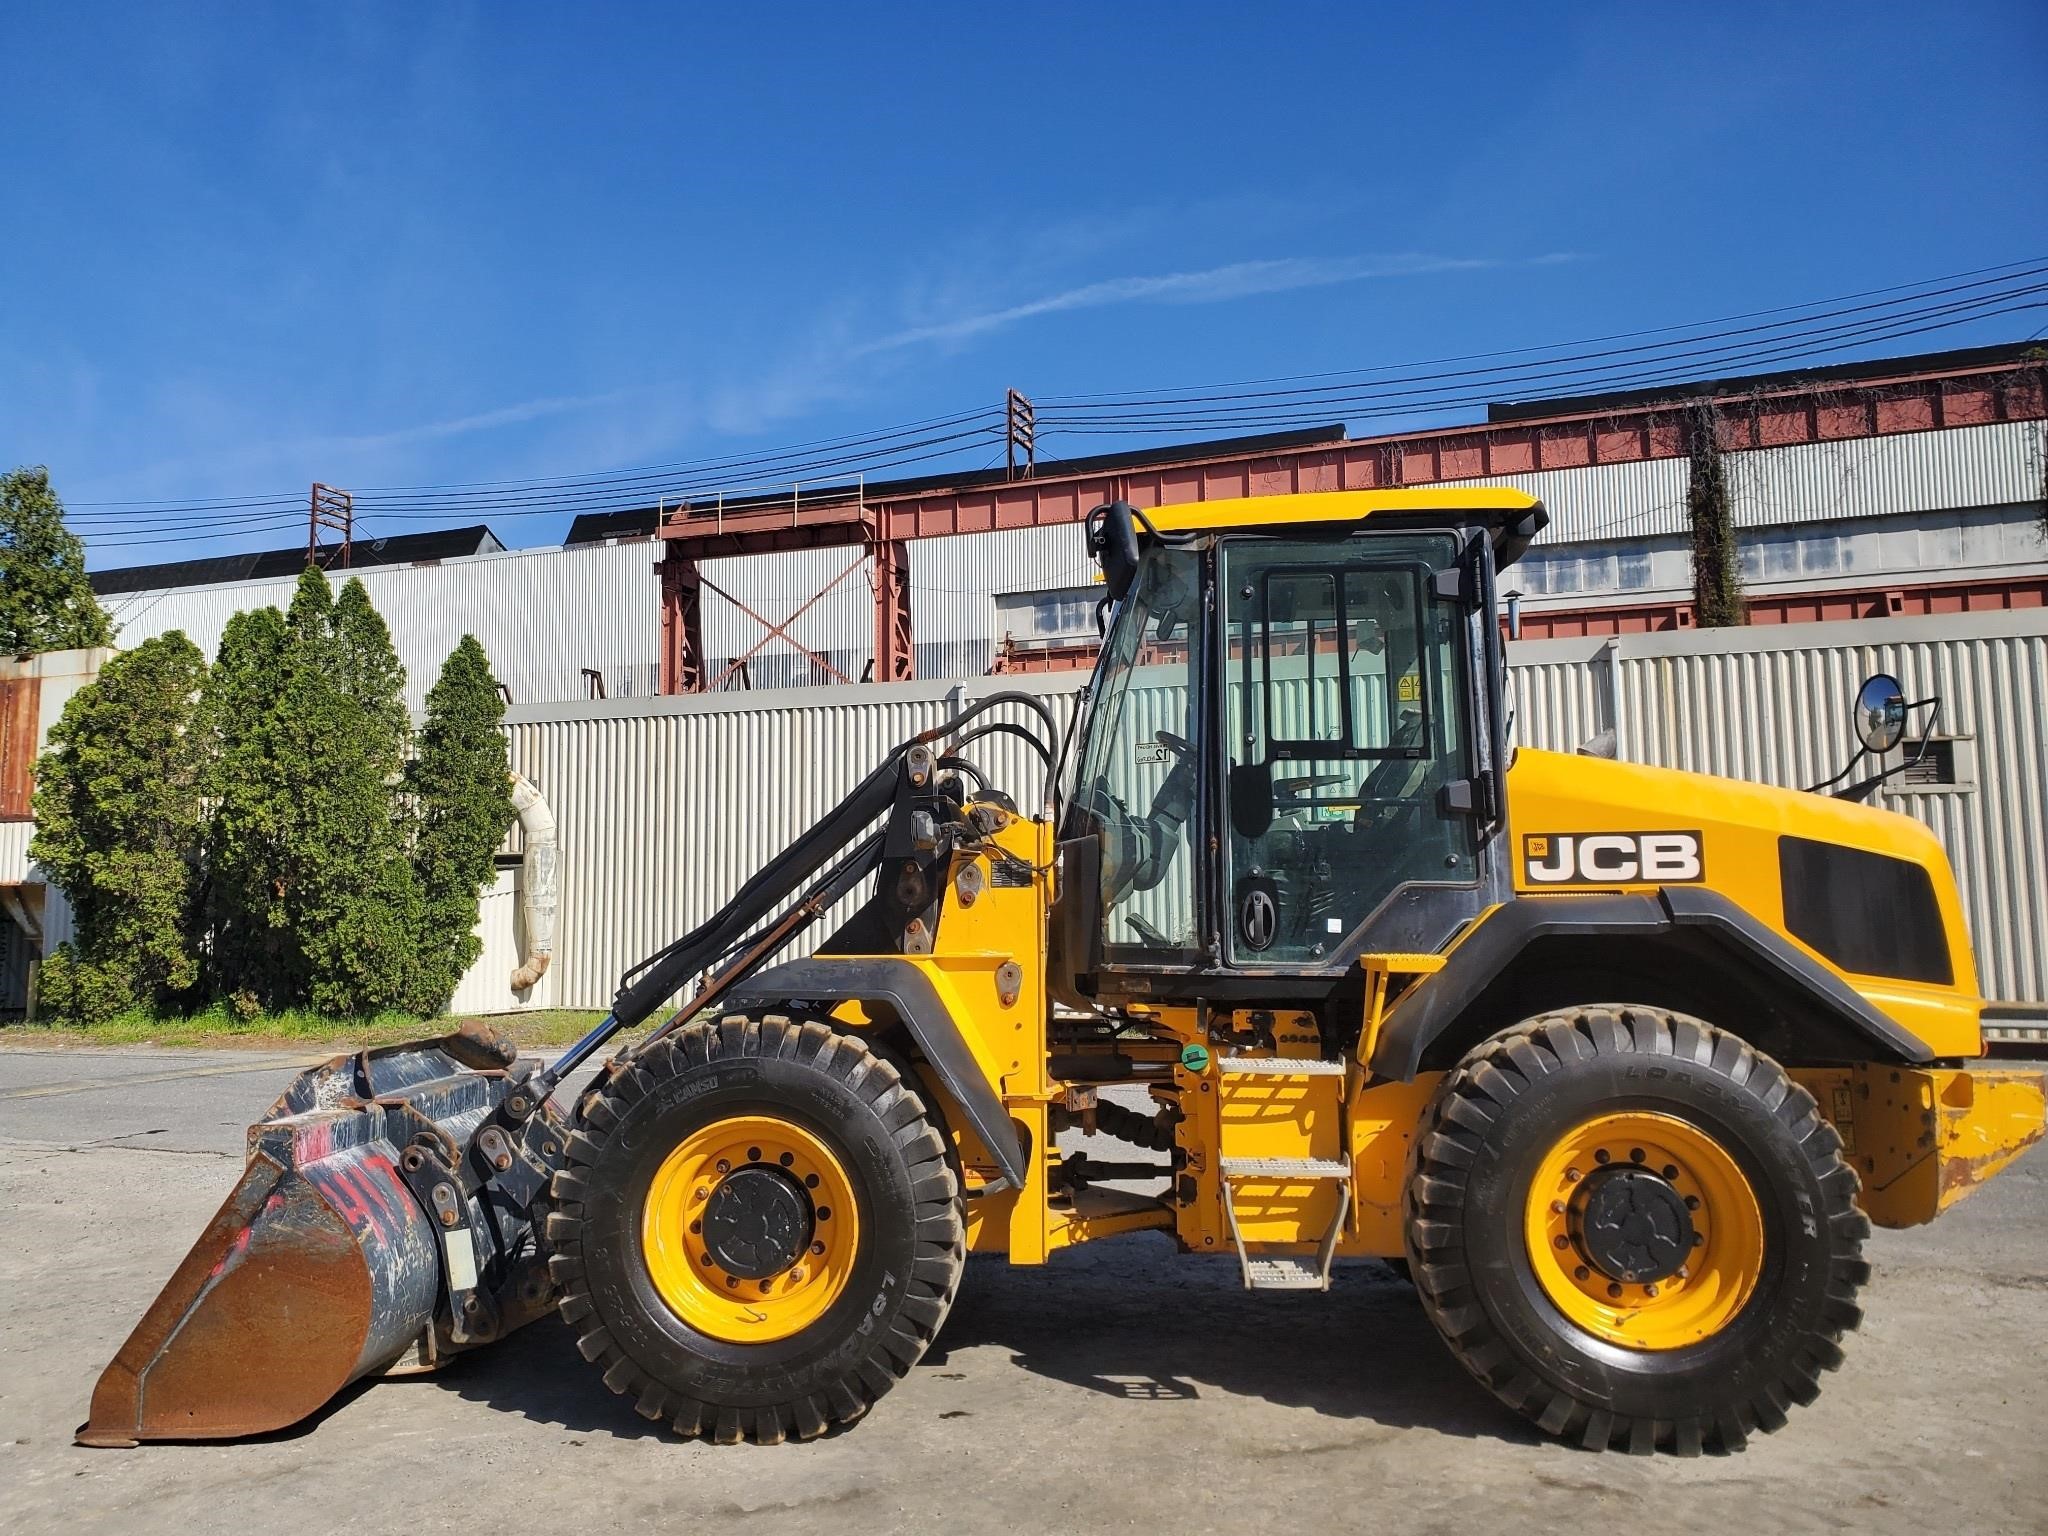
point(1682, 1192)
point(809, 1247)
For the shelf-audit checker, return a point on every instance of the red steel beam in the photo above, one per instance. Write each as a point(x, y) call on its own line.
point(1831, 410)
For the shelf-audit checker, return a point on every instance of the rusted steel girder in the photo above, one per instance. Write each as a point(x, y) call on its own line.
point(682, 622)
point(895, 640)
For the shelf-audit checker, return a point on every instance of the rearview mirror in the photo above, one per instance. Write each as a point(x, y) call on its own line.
point(1112, 533)
point(1880, 713)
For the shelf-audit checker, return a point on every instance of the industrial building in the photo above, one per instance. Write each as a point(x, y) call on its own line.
point(1889, 515)
point(1905, 486)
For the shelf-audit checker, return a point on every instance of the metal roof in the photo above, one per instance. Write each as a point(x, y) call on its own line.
point(1871, 370)
point(270, 564)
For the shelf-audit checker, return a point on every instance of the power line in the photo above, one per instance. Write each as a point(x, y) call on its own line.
point(1593, 341)
point(1814, 329)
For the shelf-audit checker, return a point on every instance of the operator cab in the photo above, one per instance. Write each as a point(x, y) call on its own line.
point(1291, 748)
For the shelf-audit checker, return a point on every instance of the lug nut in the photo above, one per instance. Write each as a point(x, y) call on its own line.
point(1692, 1202)
point(1614, 1290)
point(753, 1154)
point(1649, 1290)
point(724, 1166)
point(787, 1158)
point(1635, 1154)
point(1562, 1241)
point(1557, 1207)
point(1601, 1156)
point(1582, 1273)
point(817, 1248)
point(1670, 1170)
point(1572, 1175)
point(824, 1213)
point(1699, 1239)
point(794, 1275)
point(732, 1282)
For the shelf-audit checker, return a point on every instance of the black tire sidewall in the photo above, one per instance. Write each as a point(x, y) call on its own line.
point(644, 1326)
point(1787, 1306)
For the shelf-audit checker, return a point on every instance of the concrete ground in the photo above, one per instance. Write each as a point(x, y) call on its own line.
point(1120, 1387)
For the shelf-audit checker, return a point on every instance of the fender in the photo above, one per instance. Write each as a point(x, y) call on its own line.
point(1680, 926)
point(908, 993)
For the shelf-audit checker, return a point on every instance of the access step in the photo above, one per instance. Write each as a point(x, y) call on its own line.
point(1279, 1066)
point(1284, 1272)
point(1285, 1168)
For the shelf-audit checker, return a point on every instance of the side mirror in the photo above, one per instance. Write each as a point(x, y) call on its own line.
point(1880, 716)
point(1112, 532)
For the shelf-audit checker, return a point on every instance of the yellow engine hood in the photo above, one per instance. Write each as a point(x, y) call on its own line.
point(1581, 824)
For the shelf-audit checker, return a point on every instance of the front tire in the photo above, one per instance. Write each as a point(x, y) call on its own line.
point(1635, 1229)
point(758, 1231)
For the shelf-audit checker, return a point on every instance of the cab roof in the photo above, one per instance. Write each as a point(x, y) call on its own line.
point(1444, 503)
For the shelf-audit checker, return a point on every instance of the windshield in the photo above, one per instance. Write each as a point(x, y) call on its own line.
point(1135, 783)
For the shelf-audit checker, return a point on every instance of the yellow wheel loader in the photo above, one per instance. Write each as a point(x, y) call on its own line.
point(1621, 1063)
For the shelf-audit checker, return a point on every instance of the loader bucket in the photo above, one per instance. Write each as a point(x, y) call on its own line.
point(321, 1266)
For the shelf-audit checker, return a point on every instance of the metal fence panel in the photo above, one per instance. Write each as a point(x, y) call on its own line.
point(666, 806)
point(1772, 705)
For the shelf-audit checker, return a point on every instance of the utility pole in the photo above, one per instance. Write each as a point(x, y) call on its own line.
point(1021, 433)
point(329, 508)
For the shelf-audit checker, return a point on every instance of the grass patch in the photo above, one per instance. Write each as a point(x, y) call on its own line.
point(293, 1030)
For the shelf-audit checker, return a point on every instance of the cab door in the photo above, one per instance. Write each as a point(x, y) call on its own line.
point(1349, 714)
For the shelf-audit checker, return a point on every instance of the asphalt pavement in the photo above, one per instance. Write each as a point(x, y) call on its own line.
point(1120, 1387)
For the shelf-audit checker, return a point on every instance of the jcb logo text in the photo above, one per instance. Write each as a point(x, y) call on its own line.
point(1612, 858)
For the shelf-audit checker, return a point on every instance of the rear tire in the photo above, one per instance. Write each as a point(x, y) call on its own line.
point(1544, 1175)
point(665, 1310)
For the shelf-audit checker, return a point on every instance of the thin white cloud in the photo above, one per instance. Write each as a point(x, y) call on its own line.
point(459, 426)
point(1214, 285)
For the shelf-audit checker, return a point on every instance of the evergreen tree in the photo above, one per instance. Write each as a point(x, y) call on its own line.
point(253, 948)
point(368, 669)
point(462, 798)
point(350, 895)
point(117, 827)
point(46, 602)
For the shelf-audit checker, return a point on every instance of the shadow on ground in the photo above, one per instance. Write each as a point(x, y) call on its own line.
point(1127, 1319)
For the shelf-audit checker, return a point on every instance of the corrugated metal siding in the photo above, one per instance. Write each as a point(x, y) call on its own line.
point(1988, 466)
point(1562, 692)
point(1607, 501)
point(662, 813)
point(1961, 467)
point(14, 836)
point(666, 807)
point(840, 624)
point(542, 614)
point(1772, 706)
point(953, 581)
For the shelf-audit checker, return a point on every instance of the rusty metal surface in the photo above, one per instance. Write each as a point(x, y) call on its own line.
point(1922, 1140)
point(320, 1267)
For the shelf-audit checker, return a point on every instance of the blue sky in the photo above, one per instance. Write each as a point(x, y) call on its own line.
point(250, 247)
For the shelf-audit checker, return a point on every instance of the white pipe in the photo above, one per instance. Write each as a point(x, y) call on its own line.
point(537, 826)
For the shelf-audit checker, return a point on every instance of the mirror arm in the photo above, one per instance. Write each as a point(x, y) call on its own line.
point(1861, 789)
point(1847, 768)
